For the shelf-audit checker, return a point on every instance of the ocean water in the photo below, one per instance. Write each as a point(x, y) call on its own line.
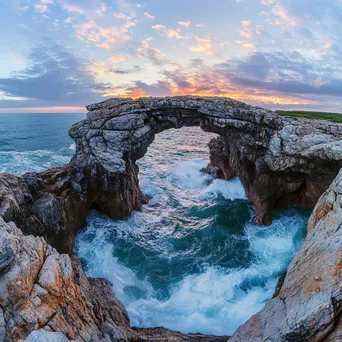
point(192, 259)
point(35, 142)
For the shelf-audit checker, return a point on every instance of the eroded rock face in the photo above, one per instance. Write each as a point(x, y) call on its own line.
point(279, 161)
point(54, 203)
point(308, 306)
point(40, 288)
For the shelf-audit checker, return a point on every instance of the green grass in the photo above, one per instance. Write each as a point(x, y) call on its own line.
point(334, 117)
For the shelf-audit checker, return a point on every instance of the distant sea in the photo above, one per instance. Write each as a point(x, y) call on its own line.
point(192, 259)
point(34, 142)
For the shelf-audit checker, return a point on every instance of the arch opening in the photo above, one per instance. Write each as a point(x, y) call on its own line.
point(194, 240)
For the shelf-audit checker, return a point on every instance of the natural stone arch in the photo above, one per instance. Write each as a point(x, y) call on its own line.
point(276, 158)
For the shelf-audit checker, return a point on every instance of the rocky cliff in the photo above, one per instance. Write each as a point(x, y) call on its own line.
point(278, 160)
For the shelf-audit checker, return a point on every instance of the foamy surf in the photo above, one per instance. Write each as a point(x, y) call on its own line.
point(32, 161)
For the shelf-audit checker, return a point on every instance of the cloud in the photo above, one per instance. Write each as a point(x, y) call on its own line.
point(246, 23)
point(276, 79)
point(184, 23)
point(266, 2)
point(105, 36)
point(121, 16)
point(117, 58)
point(73, 8)
point(41, 8)
point(173, 34)
point(149, 16)
point(160, 88)
point(285, 19)
point(203, 45)
point(134, 70)
point(156, 56)
point(159, 27)
point(55, 77)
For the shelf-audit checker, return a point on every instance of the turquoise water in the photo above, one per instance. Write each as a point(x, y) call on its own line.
point(192, 259)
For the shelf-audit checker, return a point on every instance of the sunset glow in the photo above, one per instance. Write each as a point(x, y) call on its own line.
point(63, 55)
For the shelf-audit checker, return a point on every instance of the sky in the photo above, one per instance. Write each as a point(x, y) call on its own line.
point(61, 55)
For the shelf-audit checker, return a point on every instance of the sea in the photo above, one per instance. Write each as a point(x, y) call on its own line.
point(192, 259)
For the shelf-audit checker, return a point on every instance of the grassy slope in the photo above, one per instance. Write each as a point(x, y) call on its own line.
point(334, 117)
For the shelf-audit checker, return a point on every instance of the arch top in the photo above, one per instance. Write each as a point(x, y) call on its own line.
point(122, 128)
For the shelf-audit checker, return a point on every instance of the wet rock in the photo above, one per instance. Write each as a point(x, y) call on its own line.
point(42, 288)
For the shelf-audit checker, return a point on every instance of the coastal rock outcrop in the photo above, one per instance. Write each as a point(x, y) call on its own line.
point(40, 288)
point(54, 203)
point(280, 161)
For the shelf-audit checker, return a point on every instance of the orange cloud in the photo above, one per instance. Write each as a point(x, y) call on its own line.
point(203, 45)
point(174, 34)
point(117, 58)
point(105, 36)
point(159, 27)
point(285, 19)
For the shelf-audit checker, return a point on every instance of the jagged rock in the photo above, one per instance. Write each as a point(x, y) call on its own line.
point(308, 306)
point(280, 161)
point(54, 203)
point(46, 336)
point(42, 288)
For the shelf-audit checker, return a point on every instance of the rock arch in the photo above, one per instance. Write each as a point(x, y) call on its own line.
point(278, 160)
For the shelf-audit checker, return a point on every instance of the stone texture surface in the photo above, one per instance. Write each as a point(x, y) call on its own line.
point(46, 336)
point(280, 161)
point(41, 288)
point(54, 203)
point(308, 305)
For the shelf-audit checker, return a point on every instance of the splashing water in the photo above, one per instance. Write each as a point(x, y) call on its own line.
point(192, 259)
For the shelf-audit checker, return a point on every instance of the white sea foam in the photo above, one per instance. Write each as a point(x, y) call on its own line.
point(187, 175)
point(72, 147)
point(231, 190)
point(32, 161)
point(216, 300)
